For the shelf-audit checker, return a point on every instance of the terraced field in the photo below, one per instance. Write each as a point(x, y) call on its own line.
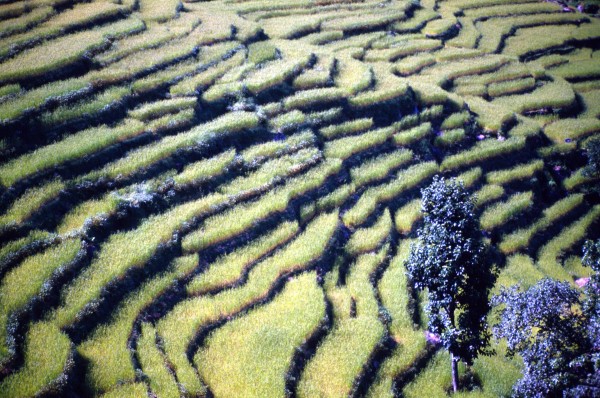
point(216, 198)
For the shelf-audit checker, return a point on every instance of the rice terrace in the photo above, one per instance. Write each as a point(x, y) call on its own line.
point(220, 198)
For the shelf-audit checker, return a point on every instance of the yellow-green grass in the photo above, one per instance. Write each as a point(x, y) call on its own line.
point(407, 215)
point(11, 247)
point(9, 90)
point(157, 109)
point(35, 98)
point(470, 4)
point(318, 76)
point(393, 289)
point(580, 69)
point(152, 361)
point(160, 11)
point(387, 88)
point(258, 153)
point(468, 35)
point(437, 28)
point(403, 49)
point(470, 177)
point(342, 355)
point(309, 98)
point(343, 148)
point(335, 198)
point(482, 151)
point(413, 135)
point(450, 138)
point(261, 52)
point(434, 380)
point(128, 250)
point(516, 173)
point(179, 327)
point(510, 71)
point(168, 75)
point(48, 353)
point(103, 101)
point(88, 213)
point(576, 179)
point(235, 221)
point(571, 129)
point(26, 281)
point(136, 160)
point(455, 120)
point(22, 23)
point(488, 193)
point(380, 167)
point(265, 341)
point(369, 238)
point(460, 68)
point(500, 213)
point(420, 17)
point(510, 87)
point(288, 121)
point(201, 81)
point(206, 169)
point(133, 390)
point(525, 128)
point(537, 38)
point(513, 9)
point(365, 20)
point(223, 91)
point(405, 179)
point(346, 128)
point(177, 120)
point(106, 349)
point(84, 13)
point(272, 171)
point(551, 252)
point(414, 64)
point(30, 202)
point(72, 147)
point(229, 268)
point(491, 115)
point(274, 73)
point(556, 95)
point(520, 269)
point(353, 76)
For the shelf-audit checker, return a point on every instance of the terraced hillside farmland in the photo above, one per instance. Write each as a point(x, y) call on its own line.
point(217, 198)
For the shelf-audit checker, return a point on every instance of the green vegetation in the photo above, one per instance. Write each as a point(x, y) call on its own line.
point(30, 202)
point(500, 213)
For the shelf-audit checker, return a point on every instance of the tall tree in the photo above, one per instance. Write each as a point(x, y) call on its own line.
point(449, 261)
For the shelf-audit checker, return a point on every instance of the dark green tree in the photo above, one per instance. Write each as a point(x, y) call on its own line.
point(592, 150)
point(449, 260)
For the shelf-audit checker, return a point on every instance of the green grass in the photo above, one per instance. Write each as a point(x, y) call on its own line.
point(309, 98)
point(274, 73)
point(152, 361)
point(14, 246)
point(414, 64)
point(353, 76)
point(30, 202)
point(368, 239)
point(160, 11)
point(450, 138)
point(257, 154)
point(180, 325)
point(106, 348)
point(470, 177)
point(407, 215)
point(500, 213)
point(346, 128)
point(380, 167)
point(488, 193)
point(556, 95)
point(206, 169)
point(516, 173)
point(88, 213)
point(343, 148)
point(574, 129)
point(413, 135)
point(482, 151)
point(492, 115)
point(229, 268)
point(265, 341)
point(510, 87)
point(157, 109)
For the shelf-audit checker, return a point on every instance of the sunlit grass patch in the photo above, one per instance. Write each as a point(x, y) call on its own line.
point(571, 129)
point(88, 213)
point(482, 151)
point(407, 215)
point(518, 172)
point(160, 11)
point(24, 22)
point(353, 76)
point(380, 167)
point(537, 38)
point(31, 201)
point(500, 213)
point(387, 88)
point(205, 169)
point(343, 148)
point(156, 109)
point(510, 87)
point(492, 115)
point(414, 64)
point(576, 179)
point(256, 154)
point(265, 341)
point(520, 239)
point(274, 73)
point(368, 239)
point(556, 95)
point(488, 193)
point(413, 135)
point(317, 96)
point(450, 138)
point(153, 364)
point(403, 49)
point(288, 121)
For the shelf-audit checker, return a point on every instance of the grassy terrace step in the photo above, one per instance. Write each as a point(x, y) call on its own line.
point(30, 279)
point(265, 340)
point(393, 289)
point(519, 172)
point(258, 153)
point(345, 351)
point(152, 361)
point(380, 167)
point(29, 203)
point(138, 159)
point(230, 268)
point(73, 147)
point(500, 213)
point(405, 179)
point(89, 213)
point(483, 151)
point(235, 221)
point(368, 239)
point(180, 326)
point(106, 350)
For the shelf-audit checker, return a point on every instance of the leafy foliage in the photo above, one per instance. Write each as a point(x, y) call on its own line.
point(449, 260)
point(593, 154)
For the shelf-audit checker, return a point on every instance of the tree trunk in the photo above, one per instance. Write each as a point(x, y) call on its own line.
point(454, 361)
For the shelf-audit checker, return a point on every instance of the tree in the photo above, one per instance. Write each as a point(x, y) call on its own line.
point(556, 330)
point(449, 260)
point(593, 154)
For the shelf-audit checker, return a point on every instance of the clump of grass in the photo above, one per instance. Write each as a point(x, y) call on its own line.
point(159, 11)
point(455, 120)
point(12, 247)
point(261, 51)
point(556, 95)
point(229, 268)
point(353, 76)
point(450, 138)
point(266, 338)
point(483, 151)
point(170, 75)
point(137, 389)
point(72, 147)
point(106, 349)
point(510, 87)
point(335, 198)
point(439, 27)
point(571, 129)
point(256, 154)
point(31, 201)
point(407, 215)
point(500, 213)
point(492, 117)
point(380, 167)
point(25, 22)
point(405, 179)
point(403, 49)
point(346, 128)
point(309, 98)
point(152, 362)
point(88, 213)
point(157, 109)
point(519, 172)
point(48, 354)
point(343, 148)
point(368, 239)
point(520, 239)
point(415, 134)
point(470, 177)
point(288, 121)
point(274, 73)
point(387, 88)
point(206, 169)
point(576, 179)
point(488, 193)
point(179, 327)
point(414, 64)
point(549, 254)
